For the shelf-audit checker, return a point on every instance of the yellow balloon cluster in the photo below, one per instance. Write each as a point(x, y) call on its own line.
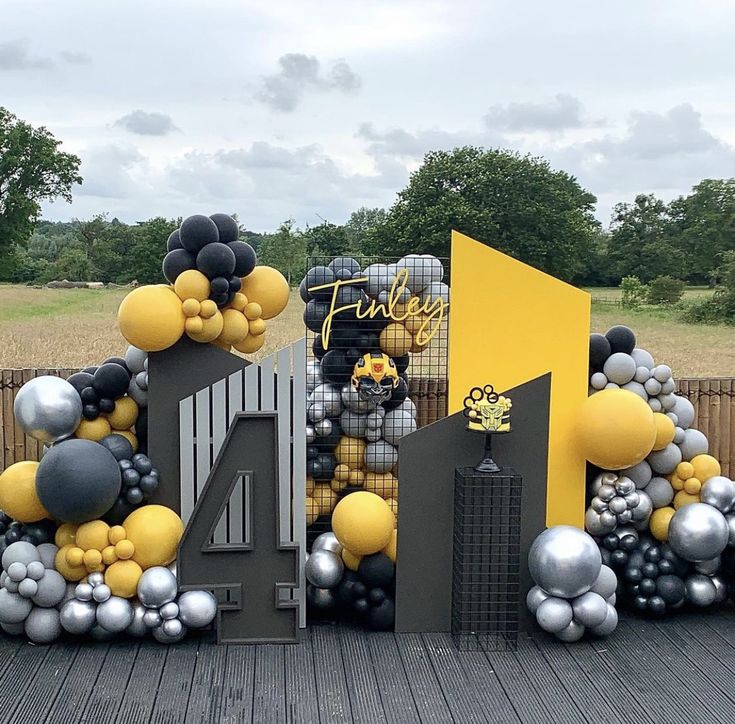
point(18, 497)
point(155, 317)
point(688, 478)
point(148, 537)
point(117, 422)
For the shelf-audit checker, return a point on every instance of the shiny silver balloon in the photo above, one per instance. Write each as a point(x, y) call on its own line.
point(606, 492)
point(169, 610)
point(606, 583)
point(78, 617)
point(101, 593)
point(313, 375)
point(137, 627)
point(708, 568)
point(197, 608)
point(101, 634)
point(535, 597)
point(159, 633)
point(151, 618)
point(554, 614)
point(573, 632)
point(720, 589)
point(699, 589)
point(328, 542)
point(598, 505)
point(730, 518)
point(115, 614)
point(48, 409)
point(698, 532)
point(643, 509)
point(719, 492)
point(609, 624)
point(324, 569)
point(352, 401)
point(83, 592)
point(321, 598)
point(172, 627)
point(329, 397)
point(95, 579)
point(590, 609)
point(42, 625)
point(157, 586)
point(310, 434)
point(594, 524)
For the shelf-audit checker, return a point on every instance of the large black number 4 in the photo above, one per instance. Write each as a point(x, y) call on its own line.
point(253, 571)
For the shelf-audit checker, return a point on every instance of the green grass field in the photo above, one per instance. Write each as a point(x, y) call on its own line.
point(76, 327)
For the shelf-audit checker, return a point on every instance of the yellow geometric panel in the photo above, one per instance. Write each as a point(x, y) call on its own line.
point(510, 323)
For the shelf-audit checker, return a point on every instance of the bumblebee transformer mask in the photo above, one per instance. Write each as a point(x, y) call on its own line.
point(375, 377)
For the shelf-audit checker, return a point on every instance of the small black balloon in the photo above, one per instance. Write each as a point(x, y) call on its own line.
point(12, 536)
point(176, 262)
point(90, 370)
point(317, 347)
point(142, 463)
point(376, 570)
point(647, 586)
point(90, 412)
point(640, 602)
point(653, 554)
point(346, 588)
point(398, 396)
point(326, 464)
point(315, 313)
point(234, 284)
point(197, 231)
point(599, 351)
point(311, 452)
point(665, 567)
point(628, 543)
point(318, 276)
point(219, 285)
point(344, 275)
point(119, 446)
point(216, 260)
point(633, 575)
point(89, 395)
point(120, 510)
point(226, 226)
point(79, 381)
point(360, 589)
point(173, 241)
point(376, 596)
point(621, 339)
point(335, 367)
point(148, 484)
point(130, 478)
point(360, 606)
point(649, 570)
point(125, 464)
point(368, 342)
point(111, 380)
point(656, 605)
point(382, 617)
point(245, 257)
point(611, 542)
point(106, 405)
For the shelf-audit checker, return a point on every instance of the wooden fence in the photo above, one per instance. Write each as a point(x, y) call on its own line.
point(713, 400)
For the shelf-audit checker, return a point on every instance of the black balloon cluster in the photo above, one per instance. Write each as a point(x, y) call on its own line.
point(99, 387)
point(12, 531)
point(210, 245)
point(602, 346)
point(651, 576)
point(368, 593)
point(139, 478)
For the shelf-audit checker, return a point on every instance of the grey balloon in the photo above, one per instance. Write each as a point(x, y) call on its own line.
point(662, 373)
point(321, 598)
point(352, 401)
point(665, 461)
point(598, 381)
point(564, 561)
point(372, 435)
point(695, 443)
point(135, 359)
point(137, 627)
point(637, 389)
point(169, 610)
point(115, 614)
point(606, 583)
point(643, 358)
point(19, 552)
point(136, 393)
point(101, 634)
point(684, 411)
point(699, 589)
point(329, 396)
point(328, 542)
point(13, 629)
point(353, 424)
point(396, 424)
point(313, 375)
point(48, 408)
point(609, 624)
point(590, 609)
point(619, 368)
point(573, 632)
point(698, 532)
point(380, 456)
point(660, 492)
point(18, 571)
point(595, 525)
point(27, 588)
point(535, 597)
point(642, 374)
point(678, 434)
point(408, 405)
point(708, 568)
point(13, 607)
point(51, 589)
point(640, 474)
point(197, 608)
point(719, 492)
point(78, 617)
point(159, 633)
point(668, 387)
point(652, 386)
point(151, 618)
point(324, 569)
point(654, 404)
point(47, 553)
point(157, 586)
point(554, 614)
point(42, 625)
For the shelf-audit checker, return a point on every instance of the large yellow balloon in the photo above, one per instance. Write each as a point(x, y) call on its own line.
point(234, 327)
point(363, 523)
point(93, 534)
point(18, 493)
point(155, 531)
point(705, 467)
point(124, 415)
point(615, 429)
point(151, 318)
point(122, 577)
point(66, 534)
point(269, 288)
point(395, 340)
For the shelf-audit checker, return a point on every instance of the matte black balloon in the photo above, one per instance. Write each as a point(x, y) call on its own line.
point(324, 467)
point(220, 299)
point(360, 589)
point(130, 478)
point(118, 445)
point(226, 226)
point(342, 337)
point(653, 554)
point(621, 339)
point(345, 262)
point(368, 342)
point(245, 257)
point(176, 262)
point(671, 589)
point(382, 617)
point(234, 284)
point(317, 276)
point(311, 452)
point(141, 425)
point(89, 395)
point(605, 554)
point(77, 480)
point(376, 570)
point(327, 443)
point(360, 606)
point(173, 241)
point(142, 463)
point(196, 232)
point(335, 367)
point(315, 313)
point(80, 380)
point(90, 370)
point(599, 351)
point(352, 355)
point(346, 588)
point(376, 596)
point(402, 363)
point(120, 510)
point(216, 260)
point(90, 412)
point(111, 380)
point(218, 286)
point(398, 397)
point(303, 292)
point(665, 567)
point(106, 404)
point(118, 361)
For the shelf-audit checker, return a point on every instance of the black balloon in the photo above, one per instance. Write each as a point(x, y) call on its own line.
point(361, 606)
point(90, 412)
point(196, 232)
point(90, 370)
point(106, 404)
point(345, 262)
point(118, 361)
point(176, 262)
point(327, 443)
point(346, 588)
point(120, 510)
point(324, 466)
point(621, 339)
point(173, 241)
point(402, 363)
point(376, 596)
point(118, 445)
point(317, 276)
point(671, 589)
point(219, 286)
point(315, 313)
point(226, 227)
point(111, 381)
point(216, 260)
point(335, 367)
point(234, 285)
point(80, 380)
point(89, 395)
point(141, 426)
point(245, 257)
point(382, 617)
point(376, 570)
point(599, 351)
point(303, 292)
point(317, 347)
point(398, 397)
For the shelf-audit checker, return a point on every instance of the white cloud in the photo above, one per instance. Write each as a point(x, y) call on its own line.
point(146, 124)
point(16, 55)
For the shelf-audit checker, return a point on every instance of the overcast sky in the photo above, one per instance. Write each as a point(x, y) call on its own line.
point(309, 109)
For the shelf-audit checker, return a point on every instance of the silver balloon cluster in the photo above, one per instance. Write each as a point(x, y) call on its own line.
point(324, 569)
point(30, 591)
point(425, 274)
point(616, 501)
point(137, 362)
point(48, 409)
point(324, 401)
point(159, 608)
point(574, 592)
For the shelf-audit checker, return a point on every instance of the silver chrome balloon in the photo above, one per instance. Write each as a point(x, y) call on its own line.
point(162, 637)
point(698, 532)
point(321, 598)
point(554, 614)
point(169, 610)
point(137, 627)
point(115, 614)
point(609, 624)
point(197, 608)
point(151, 618)
point(324, 569)
point(708, 568)
point(48, 409)
point(313, 375)
point(573, 632)
point(590, 609)
point(78, 617)
point(700, 590)
point(157, 586)
point(328, 542)
point(719, 492)
point(534, 598)
point(606, 583)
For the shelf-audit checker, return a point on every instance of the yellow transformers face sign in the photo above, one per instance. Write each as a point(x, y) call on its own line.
point(375, 377)
point(487, 411)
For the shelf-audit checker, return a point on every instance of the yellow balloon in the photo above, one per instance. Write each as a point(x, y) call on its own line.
point(659, 523)
point(350, 559)
point(211, 328)
point(685, 470)
point(257, 327)
point(194, 325)
point(683, 498)
point(676, 482)
point(122, 577)
point(93, 535)
point(75, 556)
point(391, 550)
point(393, 505)
point(124, 415)
point(269, 288)
point(92, 559)
point(357, 478)
point(129, 436)
point(325, 497)
point(253, 311)
point(395, 340)
point(71, 573)
point(309, 486)
point(66, 534)
point(108, 555)
point(155, 531)
point(338, 485)
point(692, 486)
point(151, 318)
point(208, 309)
point(234, 327)
point(665, 430)
point(191, 308)
point(18, 497)
point(312, 510)
point(93, 430)
point(342, 473)
point(240, 302)
point(383, 484)
point(615, 429)
point(350, 451)
point(192, 284)
point(250, 344)
point(116, 534)
point(705, 467)
point(363, 523)
point(124, 549)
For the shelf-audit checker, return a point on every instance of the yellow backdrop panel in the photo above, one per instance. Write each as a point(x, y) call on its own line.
point(510, 323)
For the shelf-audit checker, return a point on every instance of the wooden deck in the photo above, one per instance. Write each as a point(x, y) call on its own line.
point(680, 670)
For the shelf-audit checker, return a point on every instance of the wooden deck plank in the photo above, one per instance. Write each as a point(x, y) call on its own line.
point(362, 685)
point(207, 683)
point(269, 699)
point(302, 706)
point(18, 675)
point(237, 694)
point(331, 684)
point(140, 695)
point(174, 687)
point(112, 682)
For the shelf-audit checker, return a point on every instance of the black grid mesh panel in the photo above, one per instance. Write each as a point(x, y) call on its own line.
point(486, 565)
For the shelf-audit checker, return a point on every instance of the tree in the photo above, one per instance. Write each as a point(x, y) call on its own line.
point(286, 251)
point(517, 204)
point(640, 241)
point(326, 240)
point(32, 169)
point(703, 226)
point(362, 226)
point(148, 249)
